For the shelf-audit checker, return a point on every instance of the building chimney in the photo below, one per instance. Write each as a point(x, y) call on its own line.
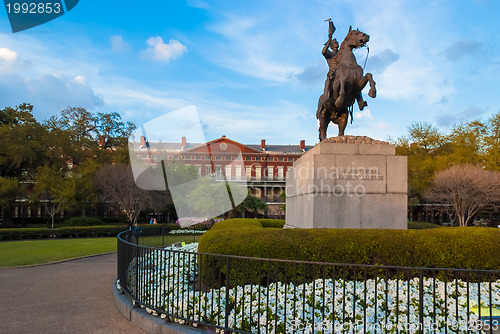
point(263, 144)
point(143, 141)
point(183, 143)
point(302, 145)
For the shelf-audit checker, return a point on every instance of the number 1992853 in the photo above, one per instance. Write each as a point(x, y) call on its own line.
point(33, 8)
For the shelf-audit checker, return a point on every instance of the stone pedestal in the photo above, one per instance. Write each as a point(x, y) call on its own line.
point(348, 182)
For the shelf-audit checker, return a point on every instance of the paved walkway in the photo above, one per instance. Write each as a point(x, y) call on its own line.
point(69, 297)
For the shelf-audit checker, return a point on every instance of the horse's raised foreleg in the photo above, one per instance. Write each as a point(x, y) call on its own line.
point(364, 80)
point(368, 78)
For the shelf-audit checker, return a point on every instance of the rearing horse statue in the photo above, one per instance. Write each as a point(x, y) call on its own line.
point(344, 83)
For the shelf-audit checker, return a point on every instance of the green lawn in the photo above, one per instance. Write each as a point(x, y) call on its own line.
point(22, 253)
point(29, 252)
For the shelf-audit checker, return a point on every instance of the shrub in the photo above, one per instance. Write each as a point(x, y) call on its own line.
point(421, 225)
point(275, 223)
point(83, 221)
point(464, 248)
point(62, 232)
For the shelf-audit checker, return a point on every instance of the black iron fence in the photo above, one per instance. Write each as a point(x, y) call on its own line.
point(255, 295)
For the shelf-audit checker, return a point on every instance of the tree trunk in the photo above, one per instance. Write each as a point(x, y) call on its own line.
point(461, 220)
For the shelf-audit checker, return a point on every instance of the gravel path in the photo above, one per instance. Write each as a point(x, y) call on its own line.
point(68, 297)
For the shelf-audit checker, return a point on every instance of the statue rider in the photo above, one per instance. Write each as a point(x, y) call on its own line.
point(330, 58)
point(330, 51)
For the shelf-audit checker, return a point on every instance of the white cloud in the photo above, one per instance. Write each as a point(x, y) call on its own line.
point(7, 55)
point(364, 114)
point(80, 80)
point(162, 52)
point(10, 61)
point(118, 44)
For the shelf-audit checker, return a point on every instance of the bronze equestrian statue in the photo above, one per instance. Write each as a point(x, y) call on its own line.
point(344, 81)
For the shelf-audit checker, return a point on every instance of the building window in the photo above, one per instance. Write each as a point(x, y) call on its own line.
point(238, 172)
point(208, 170)
point(218, 172)
point(280, 159)
point(258, 173)
point(280, 173)
point(248, 158)
point(229, 175)
point(198, 169)
point(270, 173)
point(248, 171)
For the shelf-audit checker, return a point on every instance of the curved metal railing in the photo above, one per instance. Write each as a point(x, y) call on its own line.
point(250, 295)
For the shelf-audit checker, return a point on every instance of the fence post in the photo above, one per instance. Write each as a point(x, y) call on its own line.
point(228, 274)
point(136, 292)
point(421, 301)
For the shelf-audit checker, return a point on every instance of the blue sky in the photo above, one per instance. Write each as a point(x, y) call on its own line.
point(254, 69)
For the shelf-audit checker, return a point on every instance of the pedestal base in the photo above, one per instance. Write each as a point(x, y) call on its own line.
point(348, 182)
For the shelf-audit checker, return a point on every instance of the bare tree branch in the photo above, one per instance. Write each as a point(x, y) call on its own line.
point(117, 184)
point(467, 188)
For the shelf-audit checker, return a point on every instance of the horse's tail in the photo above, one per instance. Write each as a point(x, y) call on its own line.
point(321, 101)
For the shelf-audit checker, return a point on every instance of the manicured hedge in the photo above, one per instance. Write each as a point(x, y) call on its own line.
point(464, 248)
point(421, 225)
point(83, 221)
point(62, 232)
point(276, 223)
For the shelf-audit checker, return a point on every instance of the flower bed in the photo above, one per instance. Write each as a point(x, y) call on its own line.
point(328, 305)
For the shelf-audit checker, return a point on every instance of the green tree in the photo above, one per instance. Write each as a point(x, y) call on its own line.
point(253, 205)
point(86, 195)
point(87, 136)
point(25, 144)
point(9, 189)
point(54, 191)
point(467, 143)
point(424, 147)
point(492, 143)
point(20, 115)
point(112, 132)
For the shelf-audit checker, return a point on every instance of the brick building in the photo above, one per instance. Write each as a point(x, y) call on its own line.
point(263, 167)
